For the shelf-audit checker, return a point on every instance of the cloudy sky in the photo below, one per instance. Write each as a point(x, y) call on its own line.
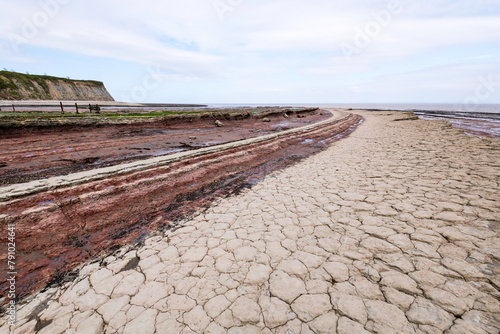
point(262, 51)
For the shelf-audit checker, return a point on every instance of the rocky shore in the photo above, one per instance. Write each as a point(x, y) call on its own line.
point(394, 229)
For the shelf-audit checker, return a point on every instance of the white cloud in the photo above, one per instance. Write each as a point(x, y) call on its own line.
point(290, 45)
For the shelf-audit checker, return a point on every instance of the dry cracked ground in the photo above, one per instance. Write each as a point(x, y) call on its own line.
point(392, 230)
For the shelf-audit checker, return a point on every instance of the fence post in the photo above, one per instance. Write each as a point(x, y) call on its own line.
point(13, 108)
point(76, 107)
point(62, 108)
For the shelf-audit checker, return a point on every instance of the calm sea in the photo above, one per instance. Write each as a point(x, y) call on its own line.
point(480, 120)
point(480, 108)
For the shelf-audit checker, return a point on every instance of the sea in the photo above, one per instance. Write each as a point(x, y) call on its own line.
point(445, 107)
point(481, 120)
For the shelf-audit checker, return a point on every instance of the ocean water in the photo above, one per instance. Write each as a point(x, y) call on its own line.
point(434, 107)
point(481, 120)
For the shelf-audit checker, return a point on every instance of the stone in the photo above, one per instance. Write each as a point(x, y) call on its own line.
point(448, 301)
point(215, 306)
point(338, 271)
point(378, 231)
point(180, 303)
point(276, 252)
point(195, 254)
point(275, 311)
point(248, 329)
point(57, 326)
point(449, 217)
point(401, 300)
point(104, 285)
point(467, 270)
point(350, 306)
point(134, 311)
point(376, 245)
point(266, 120)
point(366, 289)
point(225, 264)
point(149, 294)
point(129, 285)
point(487, 304)
point(26, 328)
point(149, 262)
point(293, 267)
point(118, 321)
point(218, 124)
point(487, 322)
point(318, 286)
point(386, 318)
point(246, 310)
point(92, 325)
point(347, 326)
point(427, 278)
point(398, 281)
point(75, 292)
point(245, 254)
point(324, 324)
point(144, 323)
point(90, 301)
point(309, 307)
point(226, 319)
point(311, 261)
point(197, 319)
point(113, 307)
point(398, 261)
point(285, 287)
point(424, 312)
point(213, 328)
point(258, 274)
point(169, 325)
point(465, 327)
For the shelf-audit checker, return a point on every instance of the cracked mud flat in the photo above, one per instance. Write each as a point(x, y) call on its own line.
point(392, 230)
point(60, 229)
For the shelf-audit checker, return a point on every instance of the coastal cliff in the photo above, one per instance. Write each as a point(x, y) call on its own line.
point(18, 86)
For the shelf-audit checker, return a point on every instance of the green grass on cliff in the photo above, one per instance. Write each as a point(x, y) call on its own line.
point(11, 84)
point(38, 78)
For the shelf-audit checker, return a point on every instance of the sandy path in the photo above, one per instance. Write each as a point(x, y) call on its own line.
point(392, 230)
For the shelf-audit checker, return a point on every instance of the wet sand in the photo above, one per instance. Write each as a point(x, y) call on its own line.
point(481, 125)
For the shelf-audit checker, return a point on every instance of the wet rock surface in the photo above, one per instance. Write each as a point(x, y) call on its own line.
point(33, 152)
point(60, 229)
point(392, 230)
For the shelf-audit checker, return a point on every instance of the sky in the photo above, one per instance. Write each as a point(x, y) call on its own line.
point(262, 51)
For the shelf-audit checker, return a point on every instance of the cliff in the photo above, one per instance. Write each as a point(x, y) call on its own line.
point(18, 86)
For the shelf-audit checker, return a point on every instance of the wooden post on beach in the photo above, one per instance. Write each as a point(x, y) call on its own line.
point(76, 107)
point(62, 108)
point(13, 108)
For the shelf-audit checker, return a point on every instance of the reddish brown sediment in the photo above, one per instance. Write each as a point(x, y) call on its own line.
point(481, 127)
point(58, 230)
point(32, 153)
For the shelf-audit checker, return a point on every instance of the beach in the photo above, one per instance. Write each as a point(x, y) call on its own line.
point(394, 229)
